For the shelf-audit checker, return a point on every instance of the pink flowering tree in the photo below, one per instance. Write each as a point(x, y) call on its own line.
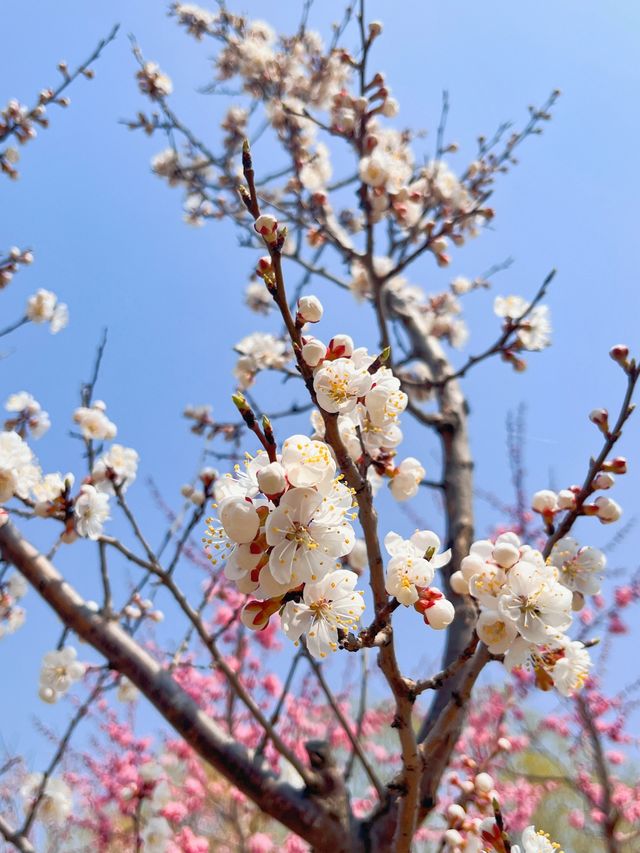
point(295, 715)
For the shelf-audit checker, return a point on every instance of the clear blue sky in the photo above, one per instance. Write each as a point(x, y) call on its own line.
point(109, 239)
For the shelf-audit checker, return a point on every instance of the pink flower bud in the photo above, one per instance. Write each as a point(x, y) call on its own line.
point(616, 466)
point(619, 353)
point(341, 346)
point(264, 266)
point(267, 227)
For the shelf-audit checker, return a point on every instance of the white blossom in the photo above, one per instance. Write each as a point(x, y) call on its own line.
point(27, 413)
point(535, 602)
point(406, 479)
point(308, 533)
point(119, 463)
point(43, 307)
point(18, 469)
point(571, 669)
point(56, 802)
point(327, 605)
point(91, 511)
point(413, 563)
point(307, 462)
point(258, 298)
point(127, 691)
point(156, 835)
point(535, 842)
point(338, 384)
point(580, 569)
point(94, 423)
point(534, 331)
point(259, 351)
point(60, 669)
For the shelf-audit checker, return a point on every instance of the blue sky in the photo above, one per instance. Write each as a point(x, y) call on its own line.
point(109, 239)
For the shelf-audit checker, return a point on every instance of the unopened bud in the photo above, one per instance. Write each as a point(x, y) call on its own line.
point(272, 479)
point(616, 466)
point(267, 227)
point(566, 499)
point(544, 502)
point(620, 353)
point(603, 480)
point(608, 510)
point(310, 309)
point(600, 417)
point(459, 584)
point(239, 518)
point(484, 782)
point(341, 346)
point(456, 812)
point(313, 352)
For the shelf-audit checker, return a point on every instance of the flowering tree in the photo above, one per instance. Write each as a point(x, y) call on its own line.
point(295, 565)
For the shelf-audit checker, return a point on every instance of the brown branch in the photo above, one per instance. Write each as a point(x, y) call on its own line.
point(346, 726)
point(611, 814)
point(611, 438)
point(301, 813)
point(19, 841)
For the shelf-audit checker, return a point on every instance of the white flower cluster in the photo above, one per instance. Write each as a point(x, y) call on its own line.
point(19, 471)
point(259, 351)
point(534, 331)
point(410, 572)
point(91, 510)
point(11, 616)
point(55, 805)
point(60, 670)
point(258, 298)
point(118, 466)
point(154, 82)
point(152, 791)
point(26, 415)
point(43, 307)
point(369, 401)
point(549, 503)
point(94, 423)
point(524, 610)
point(195, 19)
point(440, 313)
point(282, 526)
